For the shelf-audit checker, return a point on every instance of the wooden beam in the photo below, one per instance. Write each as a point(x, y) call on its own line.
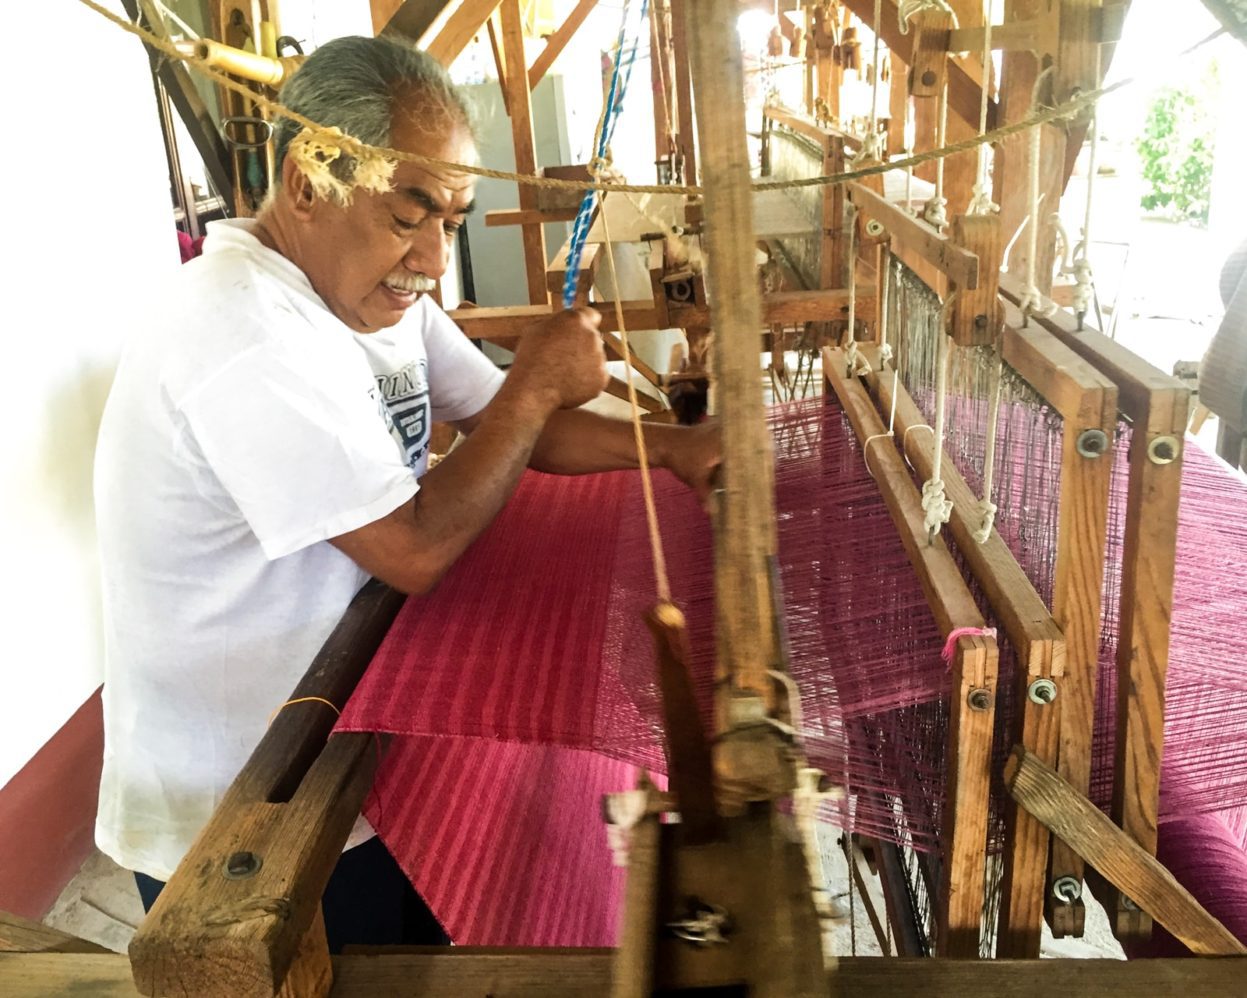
point(1074, 819)
point(686, 138)
point(745, 540)
point(527, 216)
point(558, 41)
point(407, 19)
point(960, 265)
point(460, 28)
point(283, 823)
point(459, 971)
point(21, 935)
point(519, 99)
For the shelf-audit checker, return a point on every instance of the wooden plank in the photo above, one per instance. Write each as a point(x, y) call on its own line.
point(558, 41)
point(21, 935)
point(556, 273)
point(963, 92)
point(527, 216)
point(519, 99)
point(977, 312)
point(466, 972)
point(745, 540)
point(687, 134)
point(960, 265)
point(633, 973)
point(460, 28)
point(1056, 372)
point(928, 56)
point(1069, 815)
point(618, 388)
point(291, 808)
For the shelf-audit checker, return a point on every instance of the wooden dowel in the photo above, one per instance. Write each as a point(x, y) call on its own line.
point(1090, 833)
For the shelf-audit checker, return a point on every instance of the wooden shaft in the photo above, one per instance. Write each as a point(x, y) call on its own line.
point(745, 527)
point(248, 65)
point(1092, 834)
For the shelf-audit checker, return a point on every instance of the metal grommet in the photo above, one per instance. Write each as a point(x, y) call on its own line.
point(1067, 890)
point(1163, 450)
point(874, 228)
point(1042, 691)
point(241, 865)
point(979, 698)
point(1092, 443)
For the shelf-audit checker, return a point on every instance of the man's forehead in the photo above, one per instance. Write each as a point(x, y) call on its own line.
point(441, 191)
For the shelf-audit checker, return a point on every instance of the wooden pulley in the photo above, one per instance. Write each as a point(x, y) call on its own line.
point(977, 311)
point(928, 71)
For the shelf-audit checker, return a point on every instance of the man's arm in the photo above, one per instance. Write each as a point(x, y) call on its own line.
point(413, 546)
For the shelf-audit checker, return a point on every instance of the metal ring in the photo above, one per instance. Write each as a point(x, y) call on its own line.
point(266, 128)
point(874, 228)
point(1067, 890)
point(1163, 450)
point(1042, 691)
point(1092, 443)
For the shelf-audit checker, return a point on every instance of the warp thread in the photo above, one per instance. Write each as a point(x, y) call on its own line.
point(950, 645)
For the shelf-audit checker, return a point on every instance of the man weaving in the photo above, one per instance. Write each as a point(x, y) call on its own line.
point(265, 447)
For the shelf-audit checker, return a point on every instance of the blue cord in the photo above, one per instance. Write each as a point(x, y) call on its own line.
point(615, 97)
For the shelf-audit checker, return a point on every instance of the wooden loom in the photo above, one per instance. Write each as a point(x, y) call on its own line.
point(241, 915)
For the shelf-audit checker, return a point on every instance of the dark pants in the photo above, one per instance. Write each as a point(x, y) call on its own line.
point(368, 902)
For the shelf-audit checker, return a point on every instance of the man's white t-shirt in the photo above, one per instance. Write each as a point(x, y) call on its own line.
point(247, 425)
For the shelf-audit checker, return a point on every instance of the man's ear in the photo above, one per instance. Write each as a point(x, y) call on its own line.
point(298, 190)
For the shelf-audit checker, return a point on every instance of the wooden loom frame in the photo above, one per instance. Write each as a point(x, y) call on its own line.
point(298, 795)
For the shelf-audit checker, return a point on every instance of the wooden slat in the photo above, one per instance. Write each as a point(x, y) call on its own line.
point(460, 28)
point(1074, 387)
point(409, 19)
point(293, 806)
point(960, 265)
point(686, 135)
point(21, 935)
point(527, 216)
point(1073, 818)
point(1040, 650)
point(556, 272)
point(558, 41)
point(975, 667)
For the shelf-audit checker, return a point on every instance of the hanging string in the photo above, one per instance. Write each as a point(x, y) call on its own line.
point(987, 508)
point(1032, 301)
point(936, 210)
point(935, 505)
point(980, 199)
point(1083, 284)
point(871, 148)
point(906, 10)
point(601, 142)
point(856, 364)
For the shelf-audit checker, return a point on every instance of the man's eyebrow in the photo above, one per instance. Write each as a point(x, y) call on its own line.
point(429, 203)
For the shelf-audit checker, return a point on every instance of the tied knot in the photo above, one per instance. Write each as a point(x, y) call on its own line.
point(981, 202)
point(950, 645)
point(885, 352)
point(907, 10)
point(987, 520)
point(937, 507)
point(935, 212)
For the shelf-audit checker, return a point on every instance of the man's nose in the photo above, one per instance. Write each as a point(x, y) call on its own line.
point(429, 253)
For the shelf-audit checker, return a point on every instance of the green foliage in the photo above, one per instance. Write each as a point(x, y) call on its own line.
point(1176, 148)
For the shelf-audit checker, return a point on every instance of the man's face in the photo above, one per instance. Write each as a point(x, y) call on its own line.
point(370, 261)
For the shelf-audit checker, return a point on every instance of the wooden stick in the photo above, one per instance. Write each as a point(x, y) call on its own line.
point(1092, 834)
point(558, 41)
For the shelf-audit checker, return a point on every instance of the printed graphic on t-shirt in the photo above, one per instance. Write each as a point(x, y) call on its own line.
point(406, 397)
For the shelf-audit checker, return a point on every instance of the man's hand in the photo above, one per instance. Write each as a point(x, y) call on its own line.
point(694, 455)
point(563, 363)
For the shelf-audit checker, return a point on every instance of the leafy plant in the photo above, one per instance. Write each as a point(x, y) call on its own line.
point(1176, 148)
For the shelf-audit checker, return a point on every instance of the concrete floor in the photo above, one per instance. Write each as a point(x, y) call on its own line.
point(101, 904)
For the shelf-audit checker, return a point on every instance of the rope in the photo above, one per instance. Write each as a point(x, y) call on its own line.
point(1069, 109)
point(870, 150)
point(907, 10)
point(601, 142)
point(1083, 283)
point(1032, 301)
point(950, 645)
point(855, 363)
point(980, 200)
point(987, 508)
point(935, 505)
point(328, 703)
point(936, 212)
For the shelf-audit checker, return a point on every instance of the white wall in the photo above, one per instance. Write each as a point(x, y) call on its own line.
point(87, 227)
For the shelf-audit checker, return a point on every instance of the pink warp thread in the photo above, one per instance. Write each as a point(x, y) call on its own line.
point(950, 645)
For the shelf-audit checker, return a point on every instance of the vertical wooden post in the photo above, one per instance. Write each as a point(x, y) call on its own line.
point(660, 79)
point(745, 527)
point(832, 258)
point(686, 140)
point(519, 103)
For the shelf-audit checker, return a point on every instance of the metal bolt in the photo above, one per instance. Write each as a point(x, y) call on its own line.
point(1067, 890)
point(1129, 904)
point(980, 699)
point(242, 865)
point(928, 78)
point(1092, 443)
point(874, 228)
point(1163, 450)
point(1042, 691)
